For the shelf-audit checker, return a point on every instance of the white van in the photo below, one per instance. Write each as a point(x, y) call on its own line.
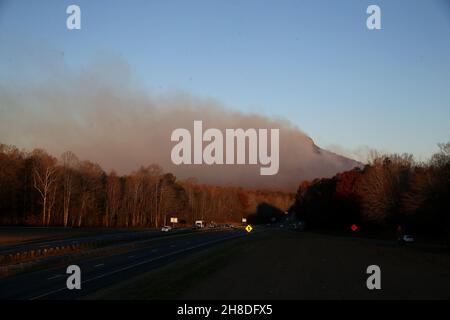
point(199, 223)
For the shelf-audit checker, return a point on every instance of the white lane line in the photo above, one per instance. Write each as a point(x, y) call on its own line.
point(99, 265)
point(130, 257)
point(56, 276)
point(141, 263)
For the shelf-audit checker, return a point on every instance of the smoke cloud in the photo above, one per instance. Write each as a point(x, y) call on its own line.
point(102, 114)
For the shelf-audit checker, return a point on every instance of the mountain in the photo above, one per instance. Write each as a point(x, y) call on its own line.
point(300, 159)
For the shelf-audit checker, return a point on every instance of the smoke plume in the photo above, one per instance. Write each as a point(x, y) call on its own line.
point(103, 115)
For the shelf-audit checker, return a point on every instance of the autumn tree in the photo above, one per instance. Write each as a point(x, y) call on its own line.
point(90, 186)
point(172, 197)
point(382, 186)
point(12, 166)
point(113, 200)
point(428, 200)
point(79, 193)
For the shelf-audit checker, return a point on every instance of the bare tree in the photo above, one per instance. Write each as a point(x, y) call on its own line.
point(90, 189)
point(172, 198)
point(69, 162)
point(44, 179)
point(382, 185)
point(113, 199)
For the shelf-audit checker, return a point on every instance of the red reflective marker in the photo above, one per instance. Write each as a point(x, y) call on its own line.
point(354, 227)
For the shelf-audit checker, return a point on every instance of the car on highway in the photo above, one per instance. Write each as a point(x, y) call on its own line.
point(166, 228)
point(406, 238)
point(298, 226)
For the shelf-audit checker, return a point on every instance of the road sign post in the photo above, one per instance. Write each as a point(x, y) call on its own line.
point(173, 220)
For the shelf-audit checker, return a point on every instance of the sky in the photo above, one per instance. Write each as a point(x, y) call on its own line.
point(314, 63)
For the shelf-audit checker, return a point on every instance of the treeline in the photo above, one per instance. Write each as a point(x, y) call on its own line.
point(392, 192)
point(39, 189)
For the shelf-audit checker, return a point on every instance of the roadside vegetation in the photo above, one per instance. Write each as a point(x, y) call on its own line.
point(40, 190)
point(392, 192)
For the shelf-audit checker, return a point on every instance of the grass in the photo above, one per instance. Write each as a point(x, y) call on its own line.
point(289, 265)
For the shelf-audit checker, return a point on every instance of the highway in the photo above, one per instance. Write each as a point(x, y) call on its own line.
point(104, 237)
point(100, 272)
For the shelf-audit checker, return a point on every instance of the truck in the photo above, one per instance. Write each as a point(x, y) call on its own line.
point(199, 224)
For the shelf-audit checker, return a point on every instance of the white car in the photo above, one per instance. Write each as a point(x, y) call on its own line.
point(166, 229)
point(406, 238)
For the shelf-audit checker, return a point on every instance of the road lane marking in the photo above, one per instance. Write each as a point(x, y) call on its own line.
point(56, 276)
point(130, 257)
point(99, 265)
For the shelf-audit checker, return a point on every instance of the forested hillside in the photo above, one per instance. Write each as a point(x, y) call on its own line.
point(392, 192)
point(38, 189)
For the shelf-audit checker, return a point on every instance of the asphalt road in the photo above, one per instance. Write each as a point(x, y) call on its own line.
point(100, 272)
point(279, 263)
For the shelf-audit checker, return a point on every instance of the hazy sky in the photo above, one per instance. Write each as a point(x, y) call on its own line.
point(312, 62)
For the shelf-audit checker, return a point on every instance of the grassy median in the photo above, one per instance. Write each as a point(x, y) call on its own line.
point(291, 265)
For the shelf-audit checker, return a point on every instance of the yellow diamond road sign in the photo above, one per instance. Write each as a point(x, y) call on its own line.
point(249, 228)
